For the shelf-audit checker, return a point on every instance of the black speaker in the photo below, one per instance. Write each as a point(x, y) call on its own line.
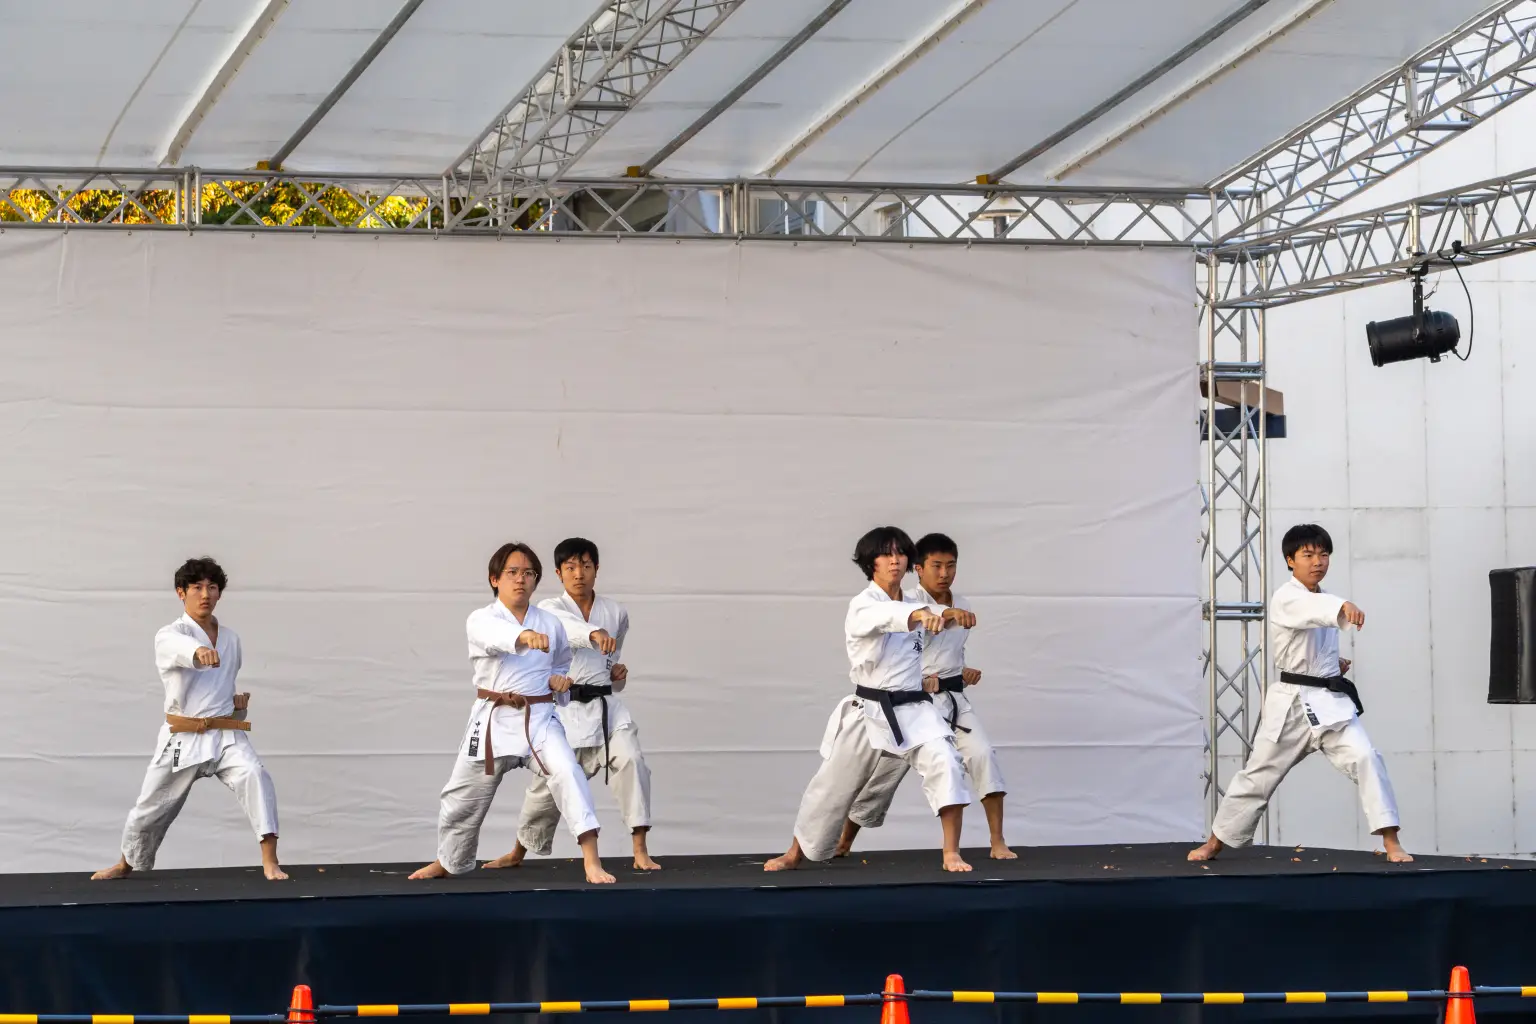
point(1512, 657)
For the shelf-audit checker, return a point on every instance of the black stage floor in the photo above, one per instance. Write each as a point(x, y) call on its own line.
point(876, 867)
point(1088, 919)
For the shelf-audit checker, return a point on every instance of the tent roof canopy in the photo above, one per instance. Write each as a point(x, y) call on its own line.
point(884, 90)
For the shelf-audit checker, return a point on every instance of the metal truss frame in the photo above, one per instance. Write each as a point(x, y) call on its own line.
point(1238, 282)
point(1234, 525)
point(202, 199)
point(599, 74)
point(1487, 220)
point(1449, 87)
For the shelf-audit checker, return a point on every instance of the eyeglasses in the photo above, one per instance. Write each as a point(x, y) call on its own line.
point(528, 573)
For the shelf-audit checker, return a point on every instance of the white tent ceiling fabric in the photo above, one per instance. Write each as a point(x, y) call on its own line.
point(108, 83)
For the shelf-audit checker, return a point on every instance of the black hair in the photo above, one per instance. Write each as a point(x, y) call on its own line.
point(1302, 535)
point(506, 551)
point(574, 547)
point(934, 544)
point(195, 570)
point(882, 540)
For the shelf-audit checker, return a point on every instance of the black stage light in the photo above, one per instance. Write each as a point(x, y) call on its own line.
point(1426, 334)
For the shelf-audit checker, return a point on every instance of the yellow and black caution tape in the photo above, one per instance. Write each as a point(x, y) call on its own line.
point(774, 1002)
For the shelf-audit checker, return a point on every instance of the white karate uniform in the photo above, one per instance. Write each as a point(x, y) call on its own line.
point(182, 758)
point(626, 769)
point(883, 654)
point(943, 656)
point(1296, 720)
point(500, 662)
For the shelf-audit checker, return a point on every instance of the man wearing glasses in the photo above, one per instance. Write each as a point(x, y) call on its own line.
point(519, 657)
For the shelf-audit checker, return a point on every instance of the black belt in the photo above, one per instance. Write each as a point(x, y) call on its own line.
point(953, 685)
point(582, 693)
point(889, 701)
point(1333, 684)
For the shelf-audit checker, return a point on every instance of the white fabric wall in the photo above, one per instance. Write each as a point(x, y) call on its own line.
point(1426, 476)
point(352, 425)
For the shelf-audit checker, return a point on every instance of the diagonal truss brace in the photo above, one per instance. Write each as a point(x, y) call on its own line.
point(1449, 87)
point(1490, 219)
point(599, 74)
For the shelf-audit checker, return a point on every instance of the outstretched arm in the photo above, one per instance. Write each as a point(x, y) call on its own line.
point(1296, 608)
point(891, 617)
point(175, 649)
point(495, 635)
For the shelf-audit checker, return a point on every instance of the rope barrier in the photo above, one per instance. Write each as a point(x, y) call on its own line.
point(142, 1018)
point(303, 1012)
point(1208, 998)
point(591, 1006)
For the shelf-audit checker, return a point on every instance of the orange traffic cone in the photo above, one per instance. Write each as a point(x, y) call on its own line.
point(1458, 1009)
point(894, 1008)
point(301, 1008)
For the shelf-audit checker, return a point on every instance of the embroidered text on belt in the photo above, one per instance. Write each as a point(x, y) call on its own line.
point(889, 701)
point(953, 685)
point(582, 693)
point(498, 699)
point(181, 723)
point(1333, 684)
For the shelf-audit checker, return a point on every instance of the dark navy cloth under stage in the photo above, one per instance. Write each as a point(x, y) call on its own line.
point(1119, 918)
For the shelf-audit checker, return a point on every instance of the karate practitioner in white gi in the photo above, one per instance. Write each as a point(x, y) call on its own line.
point(946, 676)
point(519, 658)
point(204, 731)
point(889, 714)
point(1311, 707)
point(597, 724)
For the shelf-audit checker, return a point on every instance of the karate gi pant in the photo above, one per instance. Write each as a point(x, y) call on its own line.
point(467, 799)
point(1346, 745)
point(628, 776)
point(165, 791)
point(976, 754)
point(849, 766)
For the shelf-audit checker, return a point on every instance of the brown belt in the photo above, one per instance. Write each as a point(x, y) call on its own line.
point(181, 723)
point(499, 699)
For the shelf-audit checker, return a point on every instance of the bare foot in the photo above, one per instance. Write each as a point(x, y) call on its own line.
point(643, 861)
point(1000, 851)
point(1207, 850)
point(845, 841)
point(788, 861)
point(274, 872)
point(508, 860)
point(954, 862)
point(597, 876)
point(1395, 852)
point(118, 870)
point(433, 870)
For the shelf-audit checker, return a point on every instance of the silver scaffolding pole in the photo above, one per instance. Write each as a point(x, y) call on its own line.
point(1234, 535)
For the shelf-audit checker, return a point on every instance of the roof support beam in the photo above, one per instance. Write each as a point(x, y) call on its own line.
point(1141, 120)
point(265, 18)
point(1448, 87)
point(1489, 219)
point(936, 34)
point(1059, 136)
point(600, 73)
point(762, 71)
point(353, 74)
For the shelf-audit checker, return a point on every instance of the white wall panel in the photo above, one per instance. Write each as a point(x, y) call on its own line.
point(353, 425)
